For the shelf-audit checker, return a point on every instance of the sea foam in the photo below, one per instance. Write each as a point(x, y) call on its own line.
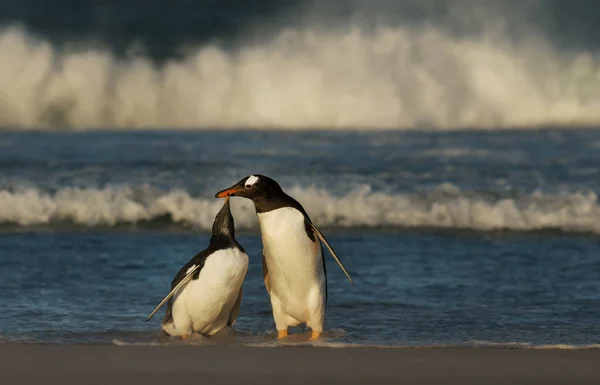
point(360, 208)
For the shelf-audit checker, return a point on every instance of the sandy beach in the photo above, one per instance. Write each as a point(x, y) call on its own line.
point(105, 364)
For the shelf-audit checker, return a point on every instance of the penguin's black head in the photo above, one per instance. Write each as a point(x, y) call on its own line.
point(255, 187)
point(223, 225)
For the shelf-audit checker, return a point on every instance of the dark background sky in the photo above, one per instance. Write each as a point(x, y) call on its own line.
point(161, 26)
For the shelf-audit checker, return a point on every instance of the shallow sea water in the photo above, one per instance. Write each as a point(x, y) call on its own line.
point(461, 238)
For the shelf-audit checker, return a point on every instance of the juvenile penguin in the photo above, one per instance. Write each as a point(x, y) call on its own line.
point(206, 294)
point(293, 263)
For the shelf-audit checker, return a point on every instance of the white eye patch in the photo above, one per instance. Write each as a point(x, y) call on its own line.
point(250, 181)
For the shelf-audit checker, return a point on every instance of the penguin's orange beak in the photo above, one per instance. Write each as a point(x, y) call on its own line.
point(227, 193)
point(237, 189)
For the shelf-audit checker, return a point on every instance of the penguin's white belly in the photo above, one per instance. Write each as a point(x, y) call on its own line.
point(294, 263)
point(204, 304)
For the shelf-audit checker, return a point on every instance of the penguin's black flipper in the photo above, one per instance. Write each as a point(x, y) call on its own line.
point(188, 272)
point(322, 238)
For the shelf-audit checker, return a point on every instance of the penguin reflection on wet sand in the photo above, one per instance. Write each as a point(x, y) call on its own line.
point(206, 294)
point(293, 262)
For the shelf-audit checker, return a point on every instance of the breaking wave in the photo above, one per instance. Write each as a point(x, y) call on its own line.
point(444, 207)
point(407, 76)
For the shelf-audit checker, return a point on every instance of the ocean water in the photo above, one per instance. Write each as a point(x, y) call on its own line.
point(447, 149)
point(452, 238)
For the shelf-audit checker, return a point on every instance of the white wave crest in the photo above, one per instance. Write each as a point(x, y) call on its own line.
point(444, 207)
point(311, 77)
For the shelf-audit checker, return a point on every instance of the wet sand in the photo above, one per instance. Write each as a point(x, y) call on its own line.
point(213, 365)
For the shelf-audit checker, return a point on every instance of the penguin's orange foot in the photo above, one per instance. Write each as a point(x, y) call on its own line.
point(282, 334)
point(184, 336)
point(314, 335)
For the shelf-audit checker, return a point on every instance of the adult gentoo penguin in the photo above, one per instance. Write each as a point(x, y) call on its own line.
point(293, 264)
point(206, 294)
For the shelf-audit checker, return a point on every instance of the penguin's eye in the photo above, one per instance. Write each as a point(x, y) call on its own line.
point(248, 186)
